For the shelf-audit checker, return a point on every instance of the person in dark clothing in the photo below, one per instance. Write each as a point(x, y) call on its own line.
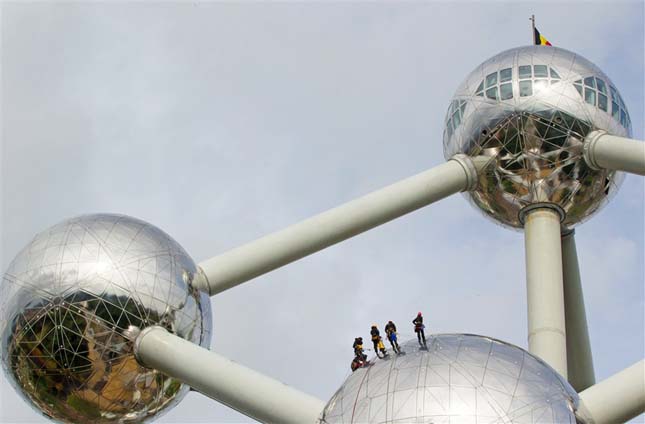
point(378, 343)
point(390, 332)
point(418, 328)
point(358, 348)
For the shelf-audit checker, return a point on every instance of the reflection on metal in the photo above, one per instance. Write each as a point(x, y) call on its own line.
point(460, 378)
point(72, 303)
point(534, 133)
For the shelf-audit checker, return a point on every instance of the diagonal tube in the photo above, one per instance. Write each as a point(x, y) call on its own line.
point(617, 399)
point(602, 150)
point(328, 228)
point(579, 358)
point(234, 385)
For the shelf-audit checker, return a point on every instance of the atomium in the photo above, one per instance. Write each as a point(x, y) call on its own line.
point(93, 300)
point(460, 378)
point(529, 110)
point(72, 303)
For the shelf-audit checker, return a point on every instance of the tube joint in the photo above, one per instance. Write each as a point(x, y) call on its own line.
point(589, 149)
point(470, 170)
point(526, 210)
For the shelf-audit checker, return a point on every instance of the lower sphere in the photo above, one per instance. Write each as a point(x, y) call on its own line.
point(73, 301)
point(458, 378)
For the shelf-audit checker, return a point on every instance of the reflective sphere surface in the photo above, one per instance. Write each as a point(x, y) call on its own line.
point(529, 110)
point(461, 378)
point(71, 304)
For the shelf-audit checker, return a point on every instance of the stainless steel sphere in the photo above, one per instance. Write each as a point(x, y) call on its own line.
point(529, 110)
point(461, 378)
point(71, 304)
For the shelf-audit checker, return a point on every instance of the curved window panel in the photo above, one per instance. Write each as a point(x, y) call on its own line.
point(491, 93)
point(620, 102)
point(491, 79)
point(554, 75)
point(505, 74)
point(540, 71)
point(525, 71)
point(590, 82)
point(526, 88)
point(602, 101)
point(614, 93)
point(590, 96)
point(600, 84)
point(455, 115)
point(506, 91)
point(615, 110)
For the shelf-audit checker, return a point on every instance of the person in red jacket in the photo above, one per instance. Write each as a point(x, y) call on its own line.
point(418, 328)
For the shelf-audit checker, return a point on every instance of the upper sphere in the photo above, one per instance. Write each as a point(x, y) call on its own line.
point(529, 110)
point(460, 378)
point(73, 301)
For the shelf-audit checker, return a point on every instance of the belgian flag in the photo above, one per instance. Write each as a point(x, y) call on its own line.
point(539, 39)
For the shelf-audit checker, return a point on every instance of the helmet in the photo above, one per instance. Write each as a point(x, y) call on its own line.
point(419, 314)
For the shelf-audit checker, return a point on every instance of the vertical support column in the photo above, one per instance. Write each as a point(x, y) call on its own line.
point(545, 291)
point(579, 358)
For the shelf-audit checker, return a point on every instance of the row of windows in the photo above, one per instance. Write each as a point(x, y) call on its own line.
point(455, 115)
point(498, 85)
point(594, 91)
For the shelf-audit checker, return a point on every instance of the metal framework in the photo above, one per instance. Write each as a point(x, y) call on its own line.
point(557, 330)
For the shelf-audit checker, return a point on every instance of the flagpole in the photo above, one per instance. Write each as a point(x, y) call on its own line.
point(532, 19)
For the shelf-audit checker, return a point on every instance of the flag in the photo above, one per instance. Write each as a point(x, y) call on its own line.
point(539, 39)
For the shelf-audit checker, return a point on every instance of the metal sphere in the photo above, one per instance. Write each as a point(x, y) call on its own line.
point(73, 301)
point(459, 378)
point(529, 110)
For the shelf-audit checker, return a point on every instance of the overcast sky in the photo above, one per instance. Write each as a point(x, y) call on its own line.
point(222, 122)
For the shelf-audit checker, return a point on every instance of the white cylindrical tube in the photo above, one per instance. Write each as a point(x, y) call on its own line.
point(545, 294)
point(302, 239)
point(579, 358)
point(617, 399)
point(247, 391)
point(602, 150)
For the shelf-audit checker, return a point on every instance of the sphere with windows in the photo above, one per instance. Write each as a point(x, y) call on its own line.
point(529, 109)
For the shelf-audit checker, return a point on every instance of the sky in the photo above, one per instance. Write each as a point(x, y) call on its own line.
point(223, 122)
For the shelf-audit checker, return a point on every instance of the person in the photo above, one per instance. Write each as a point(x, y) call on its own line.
point(378, 343)
point(390, 332)
point(418, 328)
point(358, 362)
point(358, 348)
